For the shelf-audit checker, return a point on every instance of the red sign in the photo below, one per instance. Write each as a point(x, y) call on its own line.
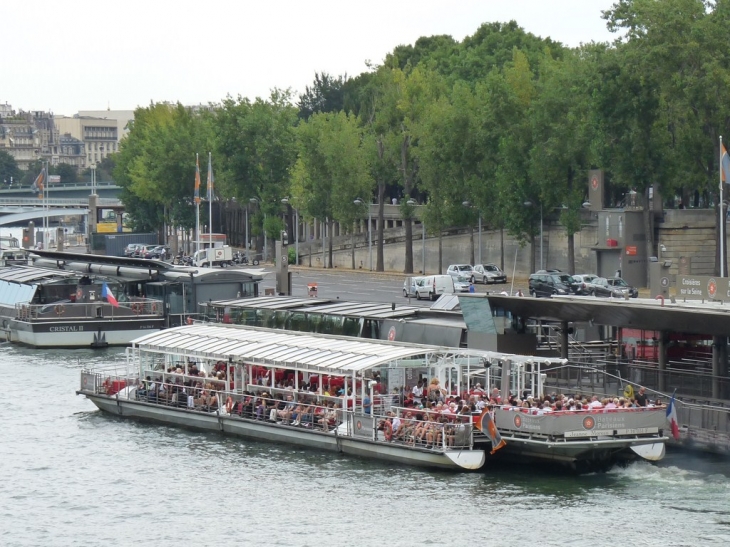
point(631, 249)
point(594, 183)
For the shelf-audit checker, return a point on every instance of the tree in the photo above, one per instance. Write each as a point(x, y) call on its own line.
point(331, 171)
point(257, 146)
point(8, 168)
point(327, 94)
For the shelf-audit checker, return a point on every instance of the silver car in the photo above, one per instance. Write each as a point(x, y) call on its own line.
point(455, 270)
point(461, 283)
point(489, 273)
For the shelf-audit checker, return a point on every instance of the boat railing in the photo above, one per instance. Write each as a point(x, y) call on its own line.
point(66, 310)
point(419, 429)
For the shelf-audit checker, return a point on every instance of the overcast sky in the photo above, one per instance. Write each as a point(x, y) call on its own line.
point(84, 55)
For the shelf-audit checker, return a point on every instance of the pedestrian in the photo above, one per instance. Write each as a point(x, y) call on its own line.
point(471, 287)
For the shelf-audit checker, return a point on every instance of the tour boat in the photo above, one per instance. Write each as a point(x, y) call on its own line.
point(225, 378)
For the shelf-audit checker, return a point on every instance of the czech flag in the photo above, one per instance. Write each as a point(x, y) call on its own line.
point(672, 418)
point(106, 293)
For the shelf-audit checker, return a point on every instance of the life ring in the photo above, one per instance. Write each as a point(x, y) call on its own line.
point(388, 430)
point(79, 294)
point(629, 391)
point(85, 382)
point(137, 307)
point(59, 309)
point(359, 425)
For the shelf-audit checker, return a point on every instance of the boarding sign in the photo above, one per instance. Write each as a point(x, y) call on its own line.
point(702, 287)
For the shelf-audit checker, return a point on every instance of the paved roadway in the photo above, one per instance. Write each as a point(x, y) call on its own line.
point(356, 286)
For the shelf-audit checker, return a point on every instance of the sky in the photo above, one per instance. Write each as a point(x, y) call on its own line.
point(90, 55)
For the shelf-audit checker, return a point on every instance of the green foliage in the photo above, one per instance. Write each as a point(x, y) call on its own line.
point(8, 168)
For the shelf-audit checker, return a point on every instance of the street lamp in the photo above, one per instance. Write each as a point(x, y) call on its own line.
point(285, 201)
point(467, 203)
point(528, 203)
point(358, 201)
point(412, 202)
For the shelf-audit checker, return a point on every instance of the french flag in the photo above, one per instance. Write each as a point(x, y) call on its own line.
point(672, 418)
point(106, 293)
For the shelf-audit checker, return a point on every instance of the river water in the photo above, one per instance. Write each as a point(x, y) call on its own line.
point(70, 475)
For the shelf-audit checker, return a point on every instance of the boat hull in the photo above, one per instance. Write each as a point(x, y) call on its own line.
point(266, 431)
point(78, 334)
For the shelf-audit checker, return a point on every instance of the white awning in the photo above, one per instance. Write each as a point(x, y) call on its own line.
point(337, 355)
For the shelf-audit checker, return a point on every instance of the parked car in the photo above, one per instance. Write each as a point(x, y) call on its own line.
point(140, 252)
point(455, 270)
point(409, 286)
point(433, 286)
point(613, 287)
point(461, 283)
point(156, 252)
point(489, 273)
point(586, 281)
point(548, 284)
point(130, 249)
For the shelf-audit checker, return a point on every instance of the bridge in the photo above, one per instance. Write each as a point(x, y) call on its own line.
point(77, 191)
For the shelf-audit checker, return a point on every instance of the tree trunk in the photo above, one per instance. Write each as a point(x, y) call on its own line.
point(532, 253)
point(571, 254)
point(330, 224)
point(501, 247)
point(380, 266)
point(353, 248)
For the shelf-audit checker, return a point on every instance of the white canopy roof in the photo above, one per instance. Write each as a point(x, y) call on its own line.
point(338, 355)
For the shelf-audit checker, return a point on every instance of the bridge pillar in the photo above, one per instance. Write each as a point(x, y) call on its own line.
point(93, 212)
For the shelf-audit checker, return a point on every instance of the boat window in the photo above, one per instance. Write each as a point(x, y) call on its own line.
point(15, 293)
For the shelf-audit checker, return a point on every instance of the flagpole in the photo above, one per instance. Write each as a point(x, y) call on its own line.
point(722, 220)
point(210, 202)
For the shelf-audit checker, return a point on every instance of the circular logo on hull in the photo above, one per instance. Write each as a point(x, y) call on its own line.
point(391, 334)
point(518, 422)
point(589, 422)
point(712, 287)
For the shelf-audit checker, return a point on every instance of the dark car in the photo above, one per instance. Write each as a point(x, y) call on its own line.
point(158, 251)
point(548, 284)
point(613, 287)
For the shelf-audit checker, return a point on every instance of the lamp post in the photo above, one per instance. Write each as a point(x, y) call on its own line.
point(285, 201)
point(467, 203)
point(412, 202)
point(529, 203)
point(358, 201)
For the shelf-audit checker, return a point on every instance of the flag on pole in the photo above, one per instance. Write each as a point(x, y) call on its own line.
point(486, 424)
point(197, 180)
point(106, 293)
point(37, 185)
point(672, 418)
point(724, 164)
point(210, 179)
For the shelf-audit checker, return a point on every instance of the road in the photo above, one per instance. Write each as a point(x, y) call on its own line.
point(356, 286)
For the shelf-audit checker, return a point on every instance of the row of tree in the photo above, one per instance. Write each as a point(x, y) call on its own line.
point(478, 127)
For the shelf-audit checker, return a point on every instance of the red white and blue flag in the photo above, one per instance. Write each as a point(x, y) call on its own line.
point(672, 418)
point(106, 293)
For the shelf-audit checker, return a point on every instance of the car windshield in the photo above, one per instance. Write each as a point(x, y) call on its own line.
point(462, 279)
point(564, 279)
point(491, 268)
point(464, 268)
point(618, 282)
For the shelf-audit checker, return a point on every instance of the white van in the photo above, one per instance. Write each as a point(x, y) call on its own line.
point(433, 286)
